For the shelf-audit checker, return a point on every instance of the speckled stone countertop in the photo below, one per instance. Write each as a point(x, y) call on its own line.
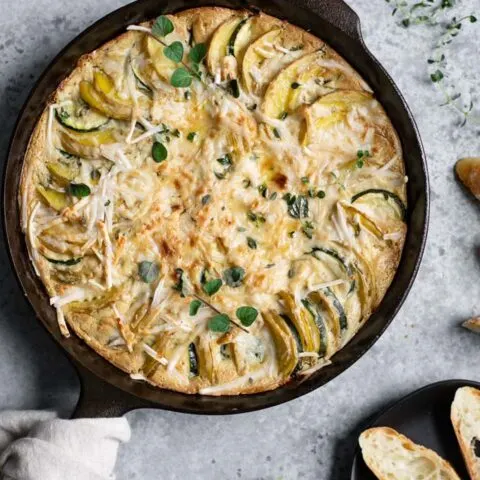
point(313, 437)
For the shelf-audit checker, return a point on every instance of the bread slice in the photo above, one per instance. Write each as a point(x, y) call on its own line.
point(468, 171)
point(465, 417)
point(472, 324)
point(392, 456)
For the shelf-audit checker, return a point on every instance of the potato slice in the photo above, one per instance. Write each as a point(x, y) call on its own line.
point(286, 349)
point(269, 54)
point(306, 79)
point(468, 171)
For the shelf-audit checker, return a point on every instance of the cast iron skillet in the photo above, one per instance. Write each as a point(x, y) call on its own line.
point(107, 391)
point(424, 417)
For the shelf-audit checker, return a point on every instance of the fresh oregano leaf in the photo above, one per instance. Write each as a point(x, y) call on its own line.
point(246, 315)
point(212, 286)
point(234, 276)
point(79, 190)
point(197, 53)
point(219, 323)
point(148, 271)
point(159, 152)
point(162, 26)
point(174, 51)
point(194, 307)
point(181, 78)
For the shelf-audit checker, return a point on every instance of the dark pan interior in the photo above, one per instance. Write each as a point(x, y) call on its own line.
point(338, 25)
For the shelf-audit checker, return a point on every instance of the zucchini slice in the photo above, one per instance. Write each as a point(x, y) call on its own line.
point(142, 82)
point(233, 37)
point(331, 252)
point(387, 196)
point(304, 324)
point(80, 117)
point(286, 349)
point(342, 317)
point(193, 360)
point(320, 323)
point(294, 331)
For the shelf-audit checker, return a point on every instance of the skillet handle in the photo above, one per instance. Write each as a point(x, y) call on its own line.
point(336, 12)
point(100, 399)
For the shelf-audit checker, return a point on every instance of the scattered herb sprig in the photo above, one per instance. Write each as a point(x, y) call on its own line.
point(433, 13)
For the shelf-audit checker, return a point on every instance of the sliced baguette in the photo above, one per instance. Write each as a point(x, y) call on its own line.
point(468, 171)
point(465, 417)
point(392, 456)
point(472, 324)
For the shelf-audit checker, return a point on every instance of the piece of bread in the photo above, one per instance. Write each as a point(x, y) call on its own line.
point(472, 324)
point(465, 417)
point(468, 171)
point(392, 456)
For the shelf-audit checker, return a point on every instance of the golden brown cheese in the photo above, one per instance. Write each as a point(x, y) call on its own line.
point(215, 201)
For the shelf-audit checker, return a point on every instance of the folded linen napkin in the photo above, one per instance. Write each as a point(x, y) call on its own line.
point(36, 445)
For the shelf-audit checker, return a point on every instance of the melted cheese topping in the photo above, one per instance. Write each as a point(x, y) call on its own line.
point(133, 220)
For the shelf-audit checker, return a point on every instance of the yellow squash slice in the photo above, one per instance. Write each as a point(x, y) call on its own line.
point(86, 145)
point(221, 46)
point(286, 349)
point(304, 323)
point(53, 198)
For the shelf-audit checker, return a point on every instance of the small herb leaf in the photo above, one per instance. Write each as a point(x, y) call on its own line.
point(148, 271)
point(251, 243)
point(181, 78)
point(194, 307)
point(436, 76)
point(212, 286)
point(219, 323)
point(162, 26)
point(79, 190)
point(234, 276)
point(197, 53)
point(247, 315)
point(174, 52)
point(298, 206)
point(159, 152)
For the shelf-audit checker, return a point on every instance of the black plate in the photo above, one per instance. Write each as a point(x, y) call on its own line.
point(424, 417)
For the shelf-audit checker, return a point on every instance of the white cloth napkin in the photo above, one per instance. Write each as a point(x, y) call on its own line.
point(36, 445)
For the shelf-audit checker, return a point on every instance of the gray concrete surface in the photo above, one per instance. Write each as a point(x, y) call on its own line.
point(313, 437)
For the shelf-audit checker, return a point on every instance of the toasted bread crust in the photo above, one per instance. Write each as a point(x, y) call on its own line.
point(465, 416)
